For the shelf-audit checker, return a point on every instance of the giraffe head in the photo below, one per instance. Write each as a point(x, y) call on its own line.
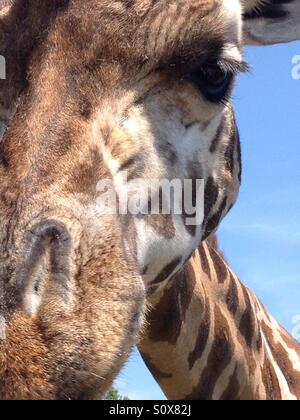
point(110, 91)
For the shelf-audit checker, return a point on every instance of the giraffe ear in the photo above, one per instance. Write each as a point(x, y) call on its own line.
point(269, 22)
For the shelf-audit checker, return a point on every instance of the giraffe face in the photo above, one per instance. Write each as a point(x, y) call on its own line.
point(104, 91)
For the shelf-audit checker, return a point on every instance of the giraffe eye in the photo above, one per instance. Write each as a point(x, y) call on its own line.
point(213, 81)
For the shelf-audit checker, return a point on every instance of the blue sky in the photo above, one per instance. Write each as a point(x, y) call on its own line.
point(261, 236)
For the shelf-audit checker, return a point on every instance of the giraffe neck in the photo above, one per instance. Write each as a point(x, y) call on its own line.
point(209, 337)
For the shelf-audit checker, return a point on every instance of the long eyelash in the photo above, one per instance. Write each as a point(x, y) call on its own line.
point(233, 66)
point(225, 101)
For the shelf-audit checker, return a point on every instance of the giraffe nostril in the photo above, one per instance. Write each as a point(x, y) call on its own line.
point(50, 231)
point(45, 266)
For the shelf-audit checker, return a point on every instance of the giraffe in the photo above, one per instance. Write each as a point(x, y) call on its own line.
point(210, 338)
point(99, 90)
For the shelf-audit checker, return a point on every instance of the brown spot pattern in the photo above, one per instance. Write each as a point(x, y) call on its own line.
point(214, 221)
point(220, 356)
point(271, 382)
point(232, 298)
point(211, 196)
point(216, 140)
point(220, 266)
point(231, 393)
point(202, 337)
point(281, 357)
point(248, 321)
point(165, 320)
point(167, 271)
point(186, 283)
point(230, 151)
point(204, 260)
point(157, 373)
